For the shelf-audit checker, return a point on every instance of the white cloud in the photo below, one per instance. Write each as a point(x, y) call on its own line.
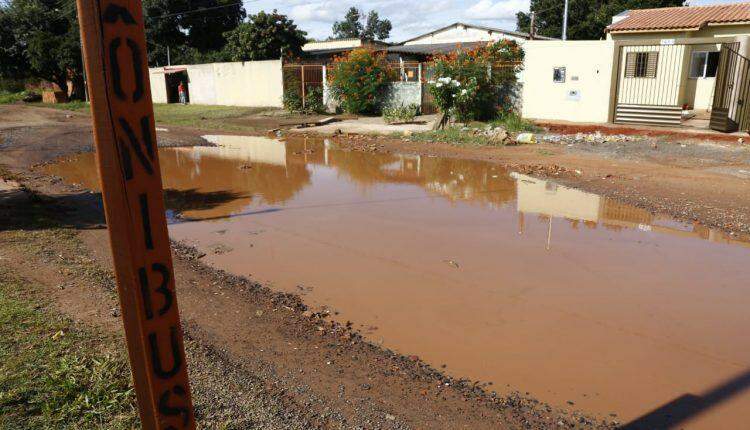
point(496, 10)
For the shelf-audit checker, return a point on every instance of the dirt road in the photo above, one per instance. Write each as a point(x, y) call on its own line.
point(294, 368)
point(321, 374)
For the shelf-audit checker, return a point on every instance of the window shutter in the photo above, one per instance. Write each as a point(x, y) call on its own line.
point(630, 64)
point(653, 61)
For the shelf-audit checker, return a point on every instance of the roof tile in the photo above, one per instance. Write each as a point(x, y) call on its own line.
point(673, 18)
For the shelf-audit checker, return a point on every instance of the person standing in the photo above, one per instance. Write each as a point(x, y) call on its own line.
point(182, 93)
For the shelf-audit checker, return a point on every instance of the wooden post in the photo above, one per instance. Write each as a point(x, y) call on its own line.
point(303, 88)
point(114, 47)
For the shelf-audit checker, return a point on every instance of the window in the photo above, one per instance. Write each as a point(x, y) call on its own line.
point(704, 64)
point(558, 75)
point(641, 64)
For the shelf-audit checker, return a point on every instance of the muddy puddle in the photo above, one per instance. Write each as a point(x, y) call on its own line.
point(572, 298)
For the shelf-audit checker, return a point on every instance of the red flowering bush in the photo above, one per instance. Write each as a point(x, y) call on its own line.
point(358, 81)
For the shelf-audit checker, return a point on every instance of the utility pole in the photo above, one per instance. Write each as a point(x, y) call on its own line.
point(169, 61)
point(565, 22)
point(114, 52)
point(532, 26)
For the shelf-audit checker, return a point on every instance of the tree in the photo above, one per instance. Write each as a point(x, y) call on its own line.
point(587, 19)
point(207, 25)
point(353, 27)
point(193, 31)
point(375, 28)
point(163, 29)
point(264, 37)
point(43, 43)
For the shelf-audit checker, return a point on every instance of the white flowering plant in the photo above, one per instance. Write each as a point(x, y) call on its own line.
point(469, 85)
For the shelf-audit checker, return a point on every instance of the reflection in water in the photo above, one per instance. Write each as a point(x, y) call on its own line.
point(551, 200)
point(625, 312)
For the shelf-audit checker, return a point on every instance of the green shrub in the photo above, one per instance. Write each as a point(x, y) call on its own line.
point(314, 100)
point(402, 114)
point(292, 100)
point(358, 81)
point(8, 98)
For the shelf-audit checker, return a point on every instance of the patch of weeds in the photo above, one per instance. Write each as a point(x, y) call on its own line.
point(452, 135)
point(10, 97)
point(545, 152)
point(55, 374)
point(515, 124)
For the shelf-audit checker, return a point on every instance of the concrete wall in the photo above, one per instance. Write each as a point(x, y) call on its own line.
point(404, 94)
point(251, 83)
point(158, 86)
point(586, 94)
point(462, 34)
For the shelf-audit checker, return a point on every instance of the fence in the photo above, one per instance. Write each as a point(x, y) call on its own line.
point(409, 84)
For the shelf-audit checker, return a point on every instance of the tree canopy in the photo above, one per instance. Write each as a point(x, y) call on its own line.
point(586, 18)
point(40, 39)
point(193, 30)
point(264, 36)
point(356, 26)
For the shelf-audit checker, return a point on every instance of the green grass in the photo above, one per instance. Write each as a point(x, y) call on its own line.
point(9, 98)
point(76, 105)
point(55, 374)
point(198, 116)
point(202, 116)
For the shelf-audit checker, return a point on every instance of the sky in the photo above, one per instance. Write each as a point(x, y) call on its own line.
point(409, 18)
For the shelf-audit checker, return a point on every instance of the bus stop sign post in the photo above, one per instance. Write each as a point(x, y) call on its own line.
point(114, 47)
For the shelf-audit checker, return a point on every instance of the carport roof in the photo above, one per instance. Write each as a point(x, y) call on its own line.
point(682, 18)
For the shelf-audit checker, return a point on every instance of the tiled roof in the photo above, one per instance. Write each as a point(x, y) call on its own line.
point(677, 18)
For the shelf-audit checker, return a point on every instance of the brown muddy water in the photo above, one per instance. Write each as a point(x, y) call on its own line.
point(562, 294)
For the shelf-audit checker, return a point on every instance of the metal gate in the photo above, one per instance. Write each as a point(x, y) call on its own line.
point(649, 84)
point(304, 80)
point(731, 105)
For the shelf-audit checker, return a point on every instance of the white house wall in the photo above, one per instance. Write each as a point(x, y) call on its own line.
point(463, 35)
point(585, 96)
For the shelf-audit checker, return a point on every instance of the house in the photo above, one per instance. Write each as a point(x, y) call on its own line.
point(457, 36)
point(325, 50)
point(679, 66)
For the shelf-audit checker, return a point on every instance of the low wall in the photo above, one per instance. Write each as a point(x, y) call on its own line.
point(250, 83)
point(587, 92)
point(404, 94)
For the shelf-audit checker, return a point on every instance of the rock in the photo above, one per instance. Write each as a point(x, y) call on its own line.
point(407, 133)
point(390, 417)
point(307, 314)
